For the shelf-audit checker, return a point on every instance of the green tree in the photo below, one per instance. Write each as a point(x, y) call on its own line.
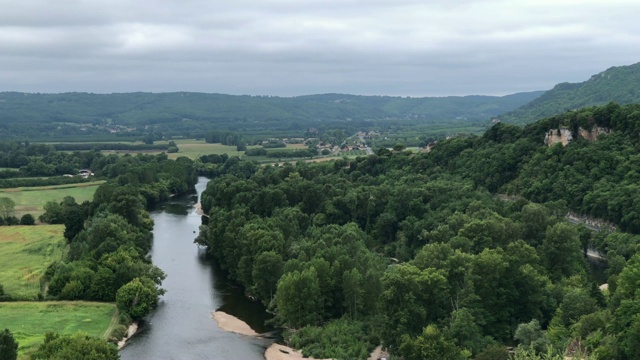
point(561, 251)
point(530, 335)
point(267, 269)
point(353, 292)
point(77, 347)
point(493, 352)
point(73, 221)
point(298, 298)
point(27, 219)
point(410, 299)
point(7, 207)
point(431, 344)
point(8, 346)
point(138, 297)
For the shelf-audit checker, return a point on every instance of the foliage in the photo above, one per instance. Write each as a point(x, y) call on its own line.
point(431, 344)
point(338, 339)
point(8, 346)
point(27, 219)
point(7, 207)
point(138, 297)
point(80, 346)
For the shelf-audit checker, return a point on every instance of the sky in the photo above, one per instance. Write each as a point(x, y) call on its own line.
point(296, 47)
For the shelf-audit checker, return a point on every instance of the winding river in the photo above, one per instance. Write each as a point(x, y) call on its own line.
point(182, 327)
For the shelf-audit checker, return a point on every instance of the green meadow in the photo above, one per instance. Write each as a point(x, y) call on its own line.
point(25, 253)
point(29, 321)
point(31, 200)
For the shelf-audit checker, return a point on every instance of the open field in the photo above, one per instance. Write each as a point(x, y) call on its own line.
point(190, 148)
point(31, 200)
point(25, 253)
point(29, 321)
point(193, 148)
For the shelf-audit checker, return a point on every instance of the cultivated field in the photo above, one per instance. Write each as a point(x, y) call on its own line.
point(25, 253)
point(29, 321)
point(192, 148)
point(31, 200)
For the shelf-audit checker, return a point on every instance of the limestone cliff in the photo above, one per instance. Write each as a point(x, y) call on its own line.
point(565, 136)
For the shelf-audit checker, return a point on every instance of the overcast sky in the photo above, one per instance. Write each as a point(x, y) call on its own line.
point(295, 47)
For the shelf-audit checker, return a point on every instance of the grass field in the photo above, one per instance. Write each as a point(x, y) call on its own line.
point(29, 321)
point(25, 253)
point(192, 148)
point(31, 200)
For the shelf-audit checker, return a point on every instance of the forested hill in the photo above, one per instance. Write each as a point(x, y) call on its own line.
point(619, 84)
point(179, 110)
point(417, 251)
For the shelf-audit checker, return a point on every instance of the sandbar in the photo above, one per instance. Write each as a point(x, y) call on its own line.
point(231, 323)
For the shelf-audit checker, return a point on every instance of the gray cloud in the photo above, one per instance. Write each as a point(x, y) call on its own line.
point(291, 47)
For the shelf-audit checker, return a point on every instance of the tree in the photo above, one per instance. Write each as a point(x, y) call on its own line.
point(353, 292)
point(8, 346)
point(138, 297)
point(431, 344)
point(7, 207)
point(399, 147)
point(77, 347)
point(531, 336)
point(267, 269)
point(298, 298)
point(561, 251)
point(241, 147)
point(27, 219)
point(410, 299)
point(73, 221)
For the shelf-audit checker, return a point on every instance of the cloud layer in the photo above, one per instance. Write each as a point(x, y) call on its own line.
point(293, 47)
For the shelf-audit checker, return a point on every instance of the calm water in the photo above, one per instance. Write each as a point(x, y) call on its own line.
point(182, 327)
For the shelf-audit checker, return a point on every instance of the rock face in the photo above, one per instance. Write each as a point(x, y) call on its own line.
point(555, 136)
point(565, 136)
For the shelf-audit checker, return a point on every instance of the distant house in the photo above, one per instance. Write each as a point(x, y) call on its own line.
point(85, 173)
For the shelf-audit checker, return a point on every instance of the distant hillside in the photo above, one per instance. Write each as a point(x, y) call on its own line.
point(620, 84)
point(22, 114)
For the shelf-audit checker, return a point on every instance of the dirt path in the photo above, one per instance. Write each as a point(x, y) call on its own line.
point(115, 320)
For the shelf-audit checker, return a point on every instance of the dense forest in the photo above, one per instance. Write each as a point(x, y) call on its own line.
point(419, 252)
point(619, 84)
point(78, 115)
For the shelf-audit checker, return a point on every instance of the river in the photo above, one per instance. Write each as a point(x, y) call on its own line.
point(182, 327)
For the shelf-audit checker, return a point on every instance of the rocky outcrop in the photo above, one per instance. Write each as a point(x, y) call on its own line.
point(565, 136)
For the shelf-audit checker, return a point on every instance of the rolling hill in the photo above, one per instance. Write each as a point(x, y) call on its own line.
point(26, 114)
point(620, 84)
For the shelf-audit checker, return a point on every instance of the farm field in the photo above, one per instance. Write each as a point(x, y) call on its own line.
point(25, 253)
point(31, 200)
point(29, 321)
point(192, 148)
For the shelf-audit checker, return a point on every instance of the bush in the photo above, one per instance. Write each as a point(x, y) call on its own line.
point(27, 219)
point(11, 220)
point(73, 290)
point(77, 346)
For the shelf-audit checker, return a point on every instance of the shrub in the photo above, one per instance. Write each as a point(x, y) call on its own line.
point(27, 219)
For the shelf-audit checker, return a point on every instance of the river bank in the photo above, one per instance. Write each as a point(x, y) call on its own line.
point(275, 351)
point(132, 330)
